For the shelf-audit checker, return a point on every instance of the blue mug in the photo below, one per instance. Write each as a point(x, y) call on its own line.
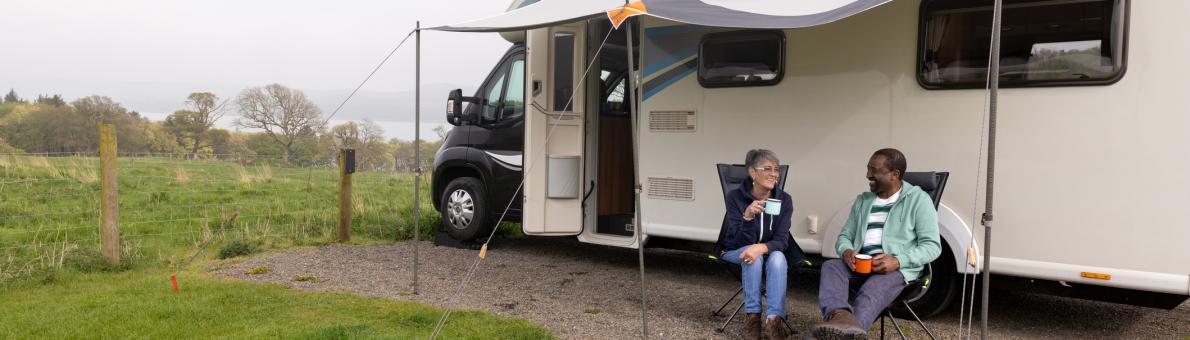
point(772, 206)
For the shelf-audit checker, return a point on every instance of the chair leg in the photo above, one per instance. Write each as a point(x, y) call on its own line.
point(725, 303)
point(729, 318)
point(881, 326)
point(897, 326)
point(919, 322)
point(791, 330)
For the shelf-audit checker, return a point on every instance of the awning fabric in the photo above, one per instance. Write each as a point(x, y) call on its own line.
point(718, 13)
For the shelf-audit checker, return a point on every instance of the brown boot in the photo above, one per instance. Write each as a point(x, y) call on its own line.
point(752, 326)
point(839, 324)
point(774, 329)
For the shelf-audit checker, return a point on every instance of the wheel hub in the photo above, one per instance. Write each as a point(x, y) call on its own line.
point(460, 209)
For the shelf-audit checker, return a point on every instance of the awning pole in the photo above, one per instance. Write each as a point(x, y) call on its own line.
point(416, 152)
point(994, 87)
point(638, 227)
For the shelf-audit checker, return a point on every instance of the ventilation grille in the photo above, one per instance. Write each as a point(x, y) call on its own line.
point(672, 121)
point(680, 189)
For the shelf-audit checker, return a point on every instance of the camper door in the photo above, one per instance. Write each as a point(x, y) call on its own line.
point(554, 131)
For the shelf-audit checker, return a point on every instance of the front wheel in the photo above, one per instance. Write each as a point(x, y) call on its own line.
point(465, 209)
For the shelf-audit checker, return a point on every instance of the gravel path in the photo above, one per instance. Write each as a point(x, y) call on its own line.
point(582, 291)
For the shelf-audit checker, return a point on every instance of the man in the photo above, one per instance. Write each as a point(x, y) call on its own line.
point(896, 223)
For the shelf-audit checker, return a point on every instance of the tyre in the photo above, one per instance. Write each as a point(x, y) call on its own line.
point(465, 209)
point(944, 287)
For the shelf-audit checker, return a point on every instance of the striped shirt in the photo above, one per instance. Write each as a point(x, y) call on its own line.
point(876, 218)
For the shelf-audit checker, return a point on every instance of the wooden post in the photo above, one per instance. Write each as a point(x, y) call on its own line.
point(344, 198)
point(109, 214)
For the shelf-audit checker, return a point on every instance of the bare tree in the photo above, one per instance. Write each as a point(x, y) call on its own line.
point(283, 113)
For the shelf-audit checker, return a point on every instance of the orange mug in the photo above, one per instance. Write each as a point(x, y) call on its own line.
point(863, 264)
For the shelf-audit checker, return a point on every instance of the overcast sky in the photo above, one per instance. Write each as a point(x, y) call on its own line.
point(150, 54)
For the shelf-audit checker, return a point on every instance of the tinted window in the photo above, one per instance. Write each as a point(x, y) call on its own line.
point(563, 71)
point(514, 99)
point(744, 58)
point(1064, 42)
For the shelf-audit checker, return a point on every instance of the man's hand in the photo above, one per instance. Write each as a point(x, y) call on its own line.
point(885, 264)
point(849, 258)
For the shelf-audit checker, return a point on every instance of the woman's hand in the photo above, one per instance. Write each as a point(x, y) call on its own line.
point(754, 252)
point(755, 208)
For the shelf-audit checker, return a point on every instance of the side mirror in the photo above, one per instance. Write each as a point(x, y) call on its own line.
point(454, 107)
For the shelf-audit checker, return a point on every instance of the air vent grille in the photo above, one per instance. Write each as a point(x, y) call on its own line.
point(680, 189)
point(673, 121)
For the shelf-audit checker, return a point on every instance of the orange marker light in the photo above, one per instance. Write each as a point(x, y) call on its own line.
point(1091, 275)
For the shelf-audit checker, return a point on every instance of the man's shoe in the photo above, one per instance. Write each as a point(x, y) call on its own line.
point(839, 324)
point(774, 329)
point(752, 326)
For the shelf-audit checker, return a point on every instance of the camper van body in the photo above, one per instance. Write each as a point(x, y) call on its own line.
point(1089, 180)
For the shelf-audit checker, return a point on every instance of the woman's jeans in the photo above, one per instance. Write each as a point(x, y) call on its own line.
point(777, 268)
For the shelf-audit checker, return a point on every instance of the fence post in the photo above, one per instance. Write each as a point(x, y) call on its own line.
point(346, 168)
point(109, 228)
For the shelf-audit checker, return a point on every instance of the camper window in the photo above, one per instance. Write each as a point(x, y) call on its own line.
point(1043, 43)
point(563, 71)
point(741, 58)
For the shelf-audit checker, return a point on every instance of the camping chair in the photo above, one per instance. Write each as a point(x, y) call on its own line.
point(731, 176)
point(933, 183)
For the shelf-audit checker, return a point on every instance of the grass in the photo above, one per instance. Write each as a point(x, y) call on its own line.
point(56, 284)
point(141, 304)
point(169, 208)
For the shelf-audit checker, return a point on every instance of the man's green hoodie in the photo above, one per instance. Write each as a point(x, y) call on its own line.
point(910, 233)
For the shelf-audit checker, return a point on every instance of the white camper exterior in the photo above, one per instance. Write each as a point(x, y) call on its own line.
point(1090, 179)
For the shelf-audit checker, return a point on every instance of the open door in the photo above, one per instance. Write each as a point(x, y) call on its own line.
point(554, 128)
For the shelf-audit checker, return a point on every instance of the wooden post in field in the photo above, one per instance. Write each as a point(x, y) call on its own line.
point(346, 168)
point(109, 229)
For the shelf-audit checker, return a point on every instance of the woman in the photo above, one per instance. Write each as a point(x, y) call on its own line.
point(756, 241)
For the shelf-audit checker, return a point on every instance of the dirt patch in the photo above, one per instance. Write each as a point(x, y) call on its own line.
point(582, 291)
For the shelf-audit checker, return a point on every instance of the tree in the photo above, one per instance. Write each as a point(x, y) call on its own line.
point(55, 100)
point(131, 129)
point(11, 97)
point(367, 138)
point(193, 126)
point(284, 114)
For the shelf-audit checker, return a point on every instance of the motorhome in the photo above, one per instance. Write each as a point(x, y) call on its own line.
point(1089, 176)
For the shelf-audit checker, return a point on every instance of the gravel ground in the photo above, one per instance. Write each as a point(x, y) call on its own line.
point(582, 291)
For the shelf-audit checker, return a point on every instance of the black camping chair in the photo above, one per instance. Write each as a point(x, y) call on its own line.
point(731, 177)
point(933, 183)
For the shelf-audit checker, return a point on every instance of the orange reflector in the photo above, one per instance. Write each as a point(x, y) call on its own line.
point(1100, 276)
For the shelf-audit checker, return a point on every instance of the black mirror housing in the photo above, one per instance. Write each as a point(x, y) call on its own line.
point(454, 107)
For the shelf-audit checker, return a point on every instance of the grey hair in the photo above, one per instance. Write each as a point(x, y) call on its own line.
point(755, 156)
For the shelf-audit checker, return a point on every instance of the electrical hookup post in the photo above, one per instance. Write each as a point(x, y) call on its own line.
point(346, 168)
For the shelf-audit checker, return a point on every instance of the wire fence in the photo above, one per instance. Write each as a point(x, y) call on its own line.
point(171, 203)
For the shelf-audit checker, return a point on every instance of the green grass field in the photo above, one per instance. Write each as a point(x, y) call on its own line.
point(49, 208)
point(175, 214)
point(141, 304)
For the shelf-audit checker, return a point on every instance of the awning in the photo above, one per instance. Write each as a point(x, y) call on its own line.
point(718, 13)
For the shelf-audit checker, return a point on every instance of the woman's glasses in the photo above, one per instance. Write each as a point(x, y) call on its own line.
point(768, 171)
